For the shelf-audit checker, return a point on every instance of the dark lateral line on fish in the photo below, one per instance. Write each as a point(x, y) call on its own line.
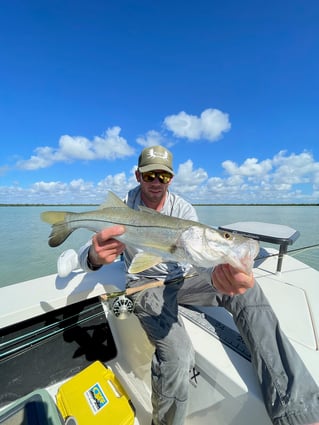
point(119, 223)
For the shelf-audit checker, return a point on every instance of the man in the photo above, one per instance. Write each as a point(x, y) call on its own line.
point(290, 394)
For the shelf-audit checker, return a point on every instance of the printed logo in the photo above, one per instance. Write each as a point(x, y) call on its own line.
point(153, 154)
point(96, 398)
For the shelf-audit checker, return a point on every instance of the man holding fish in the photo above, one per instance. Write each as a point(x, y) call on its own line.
point(218, 273)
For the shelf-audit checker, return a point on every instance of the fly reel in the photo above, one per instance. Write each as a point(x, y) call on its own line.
point(122, 307)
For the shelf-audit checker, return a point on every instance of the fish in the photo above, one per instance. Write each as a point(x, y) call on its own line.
point(157, 237)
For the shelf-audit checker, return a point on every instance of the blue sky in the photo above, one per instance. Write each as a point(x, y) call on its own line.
point(230, 87)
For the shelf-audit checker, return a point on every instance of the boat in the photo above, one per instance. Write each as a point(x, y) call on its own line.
point(58, 331)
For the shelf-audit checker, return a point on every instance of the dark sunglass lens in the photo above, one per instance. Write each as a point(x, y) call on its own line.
point(149, 177)
point(164, 177)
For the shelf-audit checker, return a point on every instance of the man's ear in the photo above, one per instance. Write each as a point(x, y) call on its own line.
point(137, 175)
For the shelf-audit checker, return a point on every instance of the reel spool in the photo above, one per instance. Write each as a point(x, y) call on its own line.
point(122, 307)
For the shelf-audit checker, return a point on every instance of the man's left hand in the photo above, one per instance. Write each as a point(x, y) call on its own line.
point(230, 281)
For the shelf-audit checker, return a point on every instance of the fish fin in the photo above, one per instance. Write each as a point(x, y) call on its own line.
point(60, 230)
point(143, 261)
point(113, 201)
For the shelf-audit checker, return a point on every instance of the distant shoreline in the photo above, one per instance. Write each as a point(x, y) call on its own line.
point(195, 205)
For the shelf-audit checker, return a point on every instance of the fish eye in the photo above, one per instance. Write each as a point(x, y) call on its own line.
point(227, 236)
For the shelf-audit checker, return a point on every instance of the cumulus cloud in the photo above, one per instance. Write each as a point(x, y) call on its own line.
point(151, 138)
point(47, 187)
point(210, 126)
point(250, 167)
point(118, 183)
point(285, 177)
point(70, 148)
point(187, 179)
point(75, 191)
point(276, 179)
point(295, 168)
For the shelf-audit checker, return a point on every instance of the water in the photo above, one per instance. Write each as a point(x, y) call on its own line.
point(25, 253)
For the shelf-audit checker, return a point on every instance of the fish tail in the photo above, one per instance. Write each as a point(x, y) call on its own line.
point(60, 232)
point(60, 229)
point(53, 217)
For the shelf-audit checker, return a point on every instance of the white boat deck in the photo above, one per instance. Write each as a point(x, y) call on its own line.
point(225, 391)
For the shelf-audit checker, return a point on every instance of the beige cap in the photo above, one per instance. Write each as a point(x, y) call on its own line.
point(155, 158)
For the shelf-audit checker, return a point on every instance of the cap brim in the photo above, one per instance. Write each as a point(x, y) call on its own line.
point(153, 167)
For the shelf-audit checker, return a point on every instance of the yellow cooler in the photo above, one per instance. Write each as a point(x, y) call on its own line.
point(95, 396)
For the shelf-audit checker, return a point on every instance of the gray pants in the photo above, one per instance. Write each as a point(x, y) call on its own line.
point(290, 394)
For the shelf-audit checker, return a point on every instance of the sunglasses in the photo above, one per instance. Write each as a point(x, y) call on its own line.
point(162, 176)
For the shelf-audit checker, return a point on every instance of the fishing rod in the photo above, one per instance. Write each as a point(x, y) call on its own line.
point(119, 302)
point(123, 306)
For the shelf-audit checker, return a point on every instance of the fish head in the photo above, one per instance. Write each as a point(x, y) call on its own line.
point(209, 247)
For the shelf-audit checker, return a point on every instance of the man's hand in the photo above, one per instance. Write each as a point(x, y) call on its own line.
point(230, 281)
point(105, 249)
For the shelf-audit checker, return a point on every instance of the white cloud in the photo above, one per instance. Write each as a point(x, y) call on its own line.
point(118, 183)
point(71, 148)
point(47, 187)
point(294, 168)
point(250, 167)
point(276, 179)
point(286, 177)
point(151, 138)
point(109, 146)
point(112, 145)
point(187, 179)
point(44, 158)
point(209, 126)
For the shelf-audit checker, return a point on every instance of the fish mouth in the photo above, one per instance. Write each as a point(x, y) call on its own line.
point(249, 252)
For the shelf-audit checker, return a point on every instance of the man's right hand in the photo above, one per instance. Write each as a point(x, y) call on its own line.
point(105, 249)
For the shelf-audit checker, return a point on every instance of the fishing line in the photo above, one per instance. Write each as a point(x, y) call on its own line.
point(291, 251)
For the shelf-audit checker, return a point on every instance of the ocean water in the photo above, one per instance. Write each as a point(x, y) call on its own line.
point(25, 253)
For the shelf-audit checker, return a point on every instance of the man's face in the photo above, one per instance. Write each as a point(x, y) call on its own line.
point(153, 190)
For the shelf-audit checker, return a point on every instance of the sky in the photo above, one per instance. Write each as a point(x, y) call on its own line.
point(230, 87)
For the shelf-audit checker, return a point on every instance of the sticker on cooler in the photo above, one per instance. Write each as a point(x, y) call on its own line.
point(96, 398)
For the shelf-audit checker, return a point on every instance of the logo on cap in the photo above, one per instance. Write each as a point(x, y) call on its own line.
point(153, 154)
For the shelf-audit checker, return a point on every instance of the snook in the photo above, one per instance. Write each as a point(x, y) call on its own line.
point(162, 238)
